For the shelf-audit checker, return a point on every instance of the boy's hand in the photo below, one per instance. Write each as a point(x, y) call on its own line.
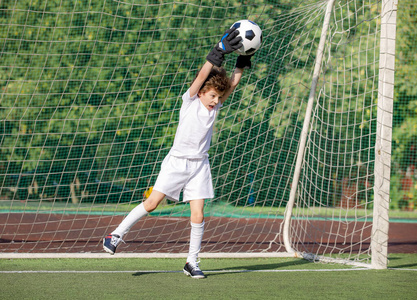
point(243, 62)
point(229, 43)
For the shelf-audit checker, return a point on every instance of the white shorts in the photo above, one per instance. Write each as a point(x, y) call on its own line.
point(192, 176)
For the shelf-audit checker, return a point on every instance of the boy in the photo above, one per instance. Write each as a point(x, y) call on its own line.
point(186, 167)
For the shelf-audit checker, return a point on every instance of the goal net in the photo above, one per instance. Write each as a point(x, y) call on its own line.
point(90, 99)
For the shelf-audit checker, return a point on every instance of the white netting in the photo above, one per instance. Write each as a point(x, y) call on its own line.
point(334, 207)
point(89, 106)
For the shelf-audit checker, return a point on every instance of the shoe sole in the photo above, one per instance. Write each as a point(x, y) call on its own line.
point(107, 249)
point(195, 277)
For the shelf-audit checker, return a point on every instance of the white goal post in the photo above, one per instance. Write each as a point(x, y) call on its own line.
point(379, 242)
point(301, 152)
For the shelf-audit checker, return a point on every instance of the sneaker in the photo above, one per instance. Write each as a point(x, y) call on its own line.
point(111, 242)
point(193, 271)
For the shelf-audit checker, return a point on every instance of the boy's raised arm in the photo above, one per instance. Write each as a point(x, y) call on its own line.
point(201, 77)
point(234, 81)
point(242, 62)
point(229, 42)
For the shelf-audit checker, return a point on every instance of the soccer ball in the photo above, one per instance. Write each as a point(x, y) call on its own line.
point(251, 35)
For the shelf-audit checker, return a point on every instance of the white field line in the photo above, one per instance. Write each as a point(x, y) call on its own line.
point(166, 271)
point(208, 271)
point(145, 255)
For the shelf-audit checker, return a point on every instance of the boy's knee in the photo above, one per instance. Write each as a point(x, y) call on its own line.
point(197, 211)
point(197, 217)
point(153, 201)
point(150, 205)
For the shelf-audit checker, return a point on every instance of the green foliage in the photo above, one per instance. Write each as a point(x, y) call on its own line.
point(91, 89)
point(405, 108)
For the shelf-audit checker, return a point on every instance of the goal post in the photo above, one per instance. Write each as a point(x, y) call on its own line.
point(379, 241)
point(300, 157)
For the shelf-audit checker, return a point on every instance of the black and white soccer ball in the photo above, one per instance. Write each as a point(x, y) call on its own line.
point(251, 35)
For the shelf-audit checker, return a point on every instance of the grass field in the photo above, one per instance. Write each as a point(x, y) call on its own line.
point(260, 278)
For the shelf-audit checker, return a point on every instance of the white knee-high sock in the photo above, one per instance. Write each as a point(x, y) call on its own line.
point(135, 215)
point(196, 236)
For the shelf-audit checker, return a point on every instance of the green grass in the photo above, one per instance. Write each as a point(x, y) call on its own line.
point(212, 209)
point(278, 278)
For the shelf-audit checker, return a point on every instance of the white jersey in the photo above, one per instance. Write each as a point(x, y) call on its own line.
point(193, 136)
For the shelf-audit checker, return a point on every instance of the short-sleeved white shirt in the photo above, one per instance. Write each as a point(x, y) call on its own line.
point(195, 128)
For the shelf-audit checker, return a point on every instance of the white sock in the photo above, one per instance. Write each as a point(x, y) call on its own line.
point(196, 236)
point(135, 215)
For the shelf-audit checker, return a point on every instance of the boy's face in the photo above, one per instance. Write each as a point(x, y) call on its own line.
point(210, 98)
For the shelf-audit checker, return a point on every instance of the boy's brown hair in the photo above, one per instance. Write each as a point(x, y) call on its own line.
point(217, 79)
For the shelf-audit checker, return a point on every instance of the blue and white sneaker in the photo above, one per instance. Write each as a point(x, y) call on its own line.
point(110, 243)
point(193, 271)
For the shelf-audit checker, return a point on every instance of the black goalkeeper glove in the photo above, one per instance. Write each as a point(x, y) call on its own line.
point(229, 43)
point(243, 62)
